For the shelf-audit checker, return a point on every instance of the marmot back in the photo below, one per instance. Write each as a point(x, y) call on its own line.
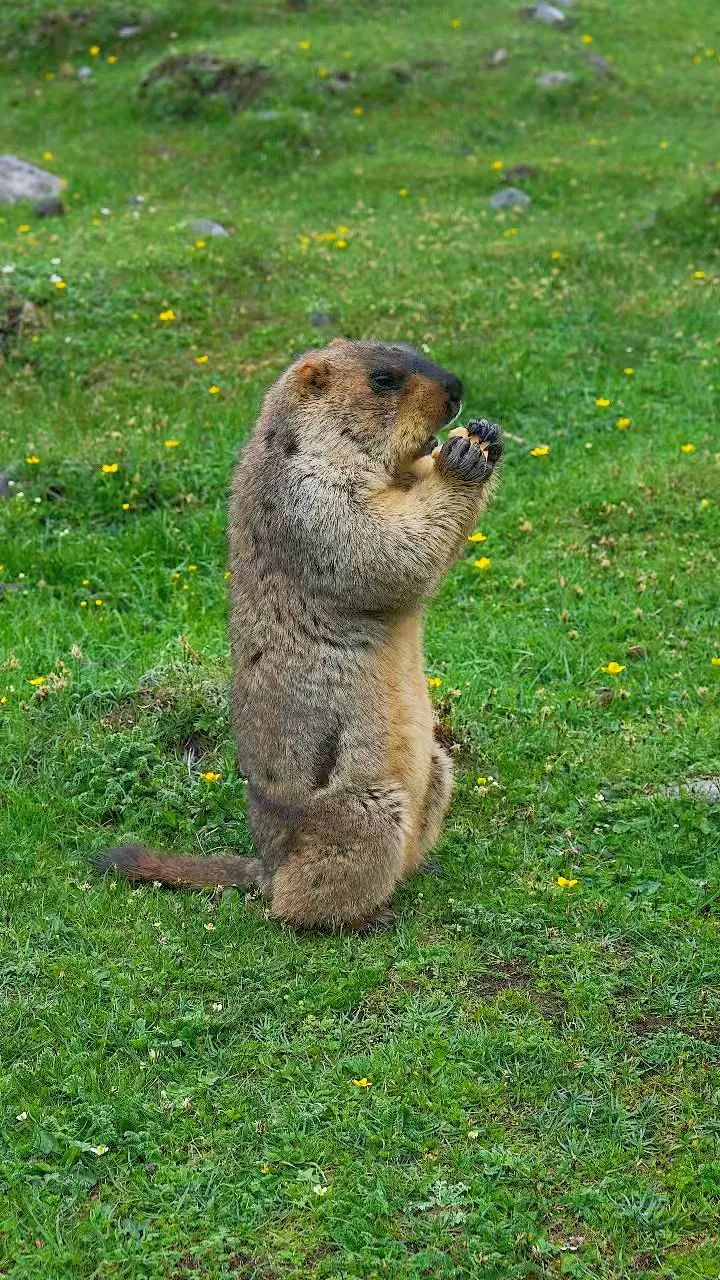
point(344, 518)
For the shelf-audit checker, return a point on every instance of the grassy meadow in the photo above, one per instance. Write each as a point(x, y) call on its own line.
point(522, 1079)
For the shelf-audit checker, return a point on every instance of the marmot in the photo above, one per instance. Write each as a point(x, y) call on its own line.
point(344, 518)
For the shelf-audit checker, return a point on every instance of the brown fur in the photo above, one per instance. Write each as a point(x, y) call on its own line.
point(341, 528)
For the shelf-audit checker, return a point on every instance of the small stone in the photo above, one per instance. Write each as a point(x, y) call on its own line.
point(600, 64)
point(136, 202)
point(547, 13)
point(208, 227)
point(706, 789)
point(127, 33)
point(84, 73)
point(497, 58)
point(323, 319)
point(22, 181)
point(510, 198)
point(554, 79)
point(49, 207)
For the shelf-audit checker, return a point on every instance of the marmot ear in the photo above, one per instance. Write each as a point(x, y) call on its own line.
point(339, 342)
point(313, 374)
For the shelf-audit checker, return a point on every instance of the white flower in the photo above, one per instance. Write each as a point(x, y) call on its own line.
point(100, 1149)
point(8, 269)
point(23, 1116)
point(320, 1190)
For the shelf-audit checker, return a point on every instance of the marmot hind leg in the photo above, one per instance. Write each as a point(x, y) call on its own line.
point(347, 861)
point(437, 799)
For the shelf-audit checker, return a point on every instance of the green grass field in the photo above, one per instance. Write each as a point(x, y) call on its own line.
point(179, 1088)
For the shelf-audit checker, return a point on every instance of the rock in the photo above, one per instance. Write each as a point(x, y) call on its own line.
point(547, 13)
point(497, 59)
point(207, 227)
point(127, 33)
point(84, 73)
point(705, 788)
point(554, 79)
point(339, 81)
point(22, 181)
point(600, 64)
point(518, 172)
point(49, 207)
point(323, 319)
point(136, 202)
point(510, 198)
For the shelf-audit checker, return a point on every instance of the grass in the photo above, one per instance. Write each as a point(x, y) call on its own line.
point(543, 1060)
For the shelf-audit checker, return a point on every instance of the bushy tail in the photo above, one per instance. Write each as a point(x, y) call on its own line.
point(182, 872)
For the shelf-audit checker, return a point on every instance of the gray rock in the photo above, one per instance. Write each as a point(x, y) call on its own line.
point(49, 207)
point(84, 73)
point(549, 14)
point(127, 33)
point(510, 198)
point(497, 59)
point(706, 789)
point(554, 79)
point(22, 181)
point(600, 64)
point(207, 227)
point(323, 319)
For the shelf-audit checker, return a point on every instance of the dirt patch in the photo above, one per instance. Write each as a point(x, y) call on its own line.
point(455, 738)
point(17, 316)
point(512, 977)
point(179, 85)
point(650, 1025)
point(127, 713)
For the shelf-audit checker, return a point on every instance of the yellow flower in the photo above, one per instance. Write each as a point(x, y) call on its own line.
point(201, 359)
point(60, 284)
point(483, 563)
point(613, 669)
point(481, 782)
point(83, 604)
point(586, 39)
point(192, 568)
point(697, 275)
point(37, 680)
point(32, 459)
point(498, 164)
point(323, 72)
point(100, 1149)
point(714, 661)
point(342, 231)
point(23, 228)
point(341, 244)
point(455, 23)
point(47, 155)
point(704, 504)
point(357, 111)
point(169, 314)
point(622, 423)
point(688, 448)
point(664, 146)
point(86, 582)
point(540, 451)
point(125, 506)
point(109, 467)
point(434, 682)
point(304, 44)
point(171, 444)
point(602, 402)
point(214, 390)
point(629, 372)
point(3, 700)
point(403, 191)
point(98, 603)
point(477, 537)
point(94, 50)
point(199, 244)
point(112, 58)
point(556, 254)
point(362, 1083)
point(209, 776)
point(565, 883)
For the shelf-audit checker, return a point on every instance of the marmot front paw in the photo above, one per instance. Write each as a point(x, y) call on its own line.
point(488, 436)
point(468, 459)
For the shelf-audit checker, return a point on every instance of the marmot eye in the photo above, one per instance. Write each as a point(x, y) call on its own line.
point(382, 380)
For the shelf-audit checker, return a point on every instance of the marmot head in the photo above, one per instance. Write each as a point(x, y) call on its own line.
point(383, 399)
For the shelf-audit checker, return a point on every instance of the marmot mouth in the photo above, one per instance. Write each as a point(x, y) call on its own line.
point(428, 447)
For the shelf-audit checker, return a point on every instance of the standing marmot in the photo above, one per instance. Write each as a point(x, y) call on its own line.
point(341, 527)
